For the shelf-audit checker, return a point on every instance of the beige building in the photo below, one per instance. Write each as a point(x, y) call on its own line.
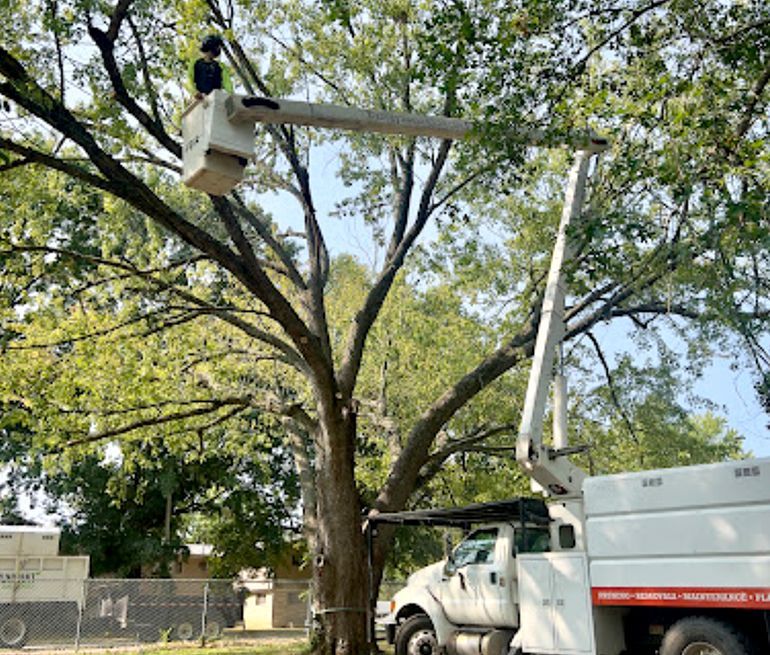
point(275, 599)
point(195, 566)
point(278, 599)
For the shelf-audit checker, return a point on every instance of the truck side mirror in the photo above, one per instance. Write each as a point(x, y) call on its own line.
point(450, 568)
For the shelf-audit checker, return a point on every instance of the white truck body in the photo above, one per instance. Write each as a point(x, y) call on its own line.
point(657, 547)
point(35, 581)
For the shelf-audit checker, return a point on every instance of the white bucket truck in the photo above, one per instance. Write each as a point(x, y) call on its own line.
point(38, 587)
point(668, 562)
point(675, 562)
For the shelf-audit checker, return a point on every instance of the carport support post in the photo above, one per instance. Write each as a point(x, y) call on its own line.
point(81, 607)
point(204, 613)
point(371, 609)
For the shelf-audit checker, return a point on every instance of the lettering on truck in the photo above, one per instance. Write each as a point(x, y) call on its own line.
point(741, 598)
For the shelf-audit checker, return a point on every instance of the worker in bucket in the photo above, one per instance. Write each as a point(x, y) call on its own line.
point(206, 73)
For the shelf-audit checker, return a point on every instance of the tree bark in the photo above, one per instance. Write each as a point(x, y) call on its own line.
point(339, 569)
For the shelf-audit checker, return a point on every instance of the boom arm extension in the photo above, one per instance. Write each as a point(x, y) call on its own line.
point(556, 474)
point(218, 134)
point(274, 110)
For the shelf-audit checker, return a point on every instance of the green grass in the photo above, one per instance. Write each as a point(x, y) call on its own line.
point(275, 647)
point(282, 647)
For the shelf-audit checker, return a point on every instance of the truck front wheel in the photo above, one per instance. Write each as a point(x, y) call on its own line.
point(416, 636)
point(13, 632)
point(699, 635)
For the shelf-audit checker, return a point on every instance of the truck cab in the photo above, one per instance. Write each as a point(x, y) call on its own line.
point(471, 596)
point(478, 579)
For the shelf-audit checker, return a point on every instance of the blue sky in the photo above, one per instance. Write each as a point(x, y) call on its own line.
point(728, 382)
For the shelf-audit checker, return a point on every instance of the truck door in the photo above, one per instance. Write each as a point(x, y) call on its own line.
point(476, 589)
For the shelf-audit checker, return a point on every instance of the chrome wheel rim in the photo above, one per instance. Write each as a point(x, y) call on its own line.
point(700, 648)
point(422, 642)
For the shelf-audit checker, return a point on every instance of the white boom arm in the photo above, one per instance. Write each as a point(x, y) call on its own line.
point(218, 134)
point(273, 110)
point(555, 474)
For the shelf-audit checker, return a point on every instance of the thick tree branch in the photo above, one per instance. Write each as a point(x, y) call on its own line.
point(213, 406)
point(405, 470)
point(105, 41)
point(366, 317)
point(404, 200)
point(74, 170)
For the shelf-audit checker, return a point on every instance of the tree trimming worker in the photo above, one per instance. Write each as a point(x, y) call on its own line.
point(206, 73)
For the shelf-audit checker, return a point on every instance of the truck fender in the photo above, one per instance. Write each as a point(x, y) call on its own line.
point(421, 601)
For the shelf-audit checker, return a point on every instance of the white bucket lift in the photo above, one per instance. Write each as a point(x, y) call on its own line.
point(218, 132)
point(215, 151)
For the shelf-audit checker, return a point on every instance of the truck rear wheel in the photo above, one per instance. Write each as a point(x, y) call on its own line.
point(699, 635)
point(13, 632)
point(416, 636)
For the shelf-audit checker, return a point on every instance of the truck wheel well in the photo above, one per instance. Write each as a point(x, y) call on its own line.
point(408, 611)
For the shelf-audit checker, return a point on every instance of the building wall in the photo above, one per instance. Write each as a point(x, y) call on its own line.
point(195, 567)
point(258, 611)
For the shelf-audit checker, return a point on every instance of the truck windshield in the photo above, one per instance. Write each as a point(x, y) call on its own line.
point(477, 548)
point(532, 540)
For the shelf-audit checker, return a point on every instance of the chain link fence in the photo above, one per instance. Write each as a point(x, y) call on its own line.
point(115, 612)
point(107, 613)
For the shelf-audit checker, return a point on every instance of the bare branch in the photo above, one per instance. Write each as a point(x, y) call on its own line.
point(145, 71)
point(266, 235)
point(579, 66)
point(469, 443)
point(365, 318)
point(105, 41)
point(613, 394)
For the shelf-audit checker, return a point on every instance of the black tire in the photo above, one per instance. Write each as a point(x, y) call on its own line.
point(213, 630)
point(700, 635)
point(416, 636)
point(185, 631)
point(13, 632)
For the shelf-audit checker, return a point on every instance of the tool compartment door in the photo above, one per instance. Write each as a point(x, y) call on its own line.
point(556, 615)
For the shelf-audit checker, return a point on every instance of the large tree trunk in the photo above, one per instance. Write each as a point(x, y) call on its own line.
point(340, 578)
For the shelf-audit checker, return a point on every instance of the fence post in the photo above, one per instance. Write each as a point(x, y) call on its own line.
point(205, 613)
point(81, 607)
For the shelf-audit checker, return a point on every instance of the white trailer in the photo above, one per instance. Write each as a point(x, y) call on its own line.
point(37, 585)
point(675, 562)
